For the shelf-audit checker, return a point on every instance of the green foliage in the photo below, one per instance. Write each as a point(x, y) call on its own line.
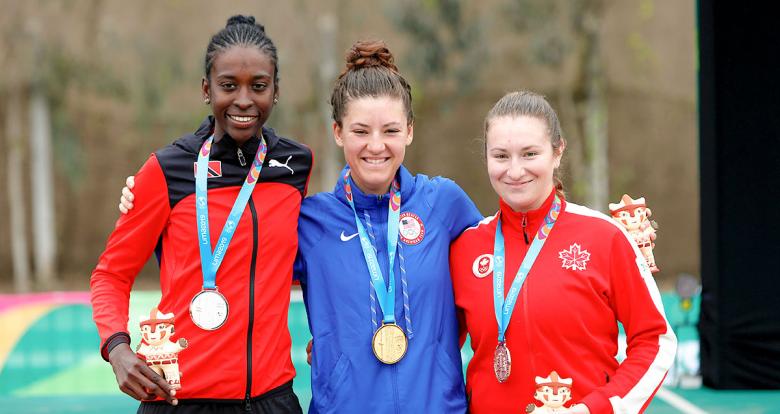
point(448, 49)
point(546, 22)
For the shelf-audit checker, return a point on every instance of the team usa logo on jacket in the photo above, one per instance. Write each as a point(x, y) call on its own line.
point(483, 265)
point(215, 169)
point(576, 258)
point(411, 228)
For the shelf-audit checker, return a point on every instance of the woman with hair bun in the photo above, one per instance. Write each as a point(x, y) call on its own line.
point(373, 258)
point(213, 191)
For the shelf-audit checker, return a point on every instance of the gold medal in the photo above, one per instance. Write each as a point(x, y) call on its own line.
point(502, 362)
point(389, 343)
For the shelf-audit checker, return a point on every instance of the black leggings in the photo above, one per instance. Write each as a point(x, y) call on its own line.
point(280, 400)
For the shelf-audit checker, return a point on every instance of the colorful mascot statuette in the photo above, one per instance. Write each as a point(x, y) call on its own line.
point(156, 347)
point(635, 217)
point(553, 392)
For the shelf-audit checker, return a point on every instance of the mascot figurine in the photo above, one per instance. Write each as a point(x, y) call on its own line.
point(634, 216)
point(553, 392)
point(156, 347)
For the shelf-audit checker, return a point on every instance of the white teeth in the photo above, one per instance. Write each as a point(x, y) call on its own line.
point(241, 118)
point(374, 161)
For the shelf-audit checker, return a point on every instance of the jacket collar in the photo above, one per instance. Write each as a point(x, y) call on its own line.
point(367, 201)
point(227, 143)
point(512, 221)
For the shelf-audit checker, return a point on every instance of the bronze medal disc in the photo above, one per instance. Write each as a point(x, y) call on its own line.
point(209, 310)
point(389, 343)
point(502, 362)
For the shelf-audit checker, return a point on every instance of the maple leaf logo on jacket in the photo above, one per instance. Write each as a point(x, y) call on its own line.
point(575, 258)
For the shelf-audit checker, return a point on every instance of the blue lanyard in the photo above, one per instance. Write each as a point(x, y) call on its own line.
point(210, 262)
point(385, 293)
point(505, 307)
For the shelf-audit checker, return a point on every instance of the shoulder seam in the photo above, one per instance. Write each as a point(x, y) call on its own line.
point(485, 221)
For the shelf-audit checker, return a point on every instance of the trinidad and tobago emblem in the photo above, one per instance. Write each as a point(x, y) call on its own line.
point(215, 169)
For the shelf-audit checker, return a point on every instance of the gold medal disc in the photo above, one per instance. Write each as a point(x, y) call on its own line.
point(389, 343)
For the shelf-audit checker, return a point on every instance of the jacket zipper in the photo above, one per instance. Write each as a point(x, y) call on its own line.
point(248, 400)
point(525, 224)
point(241, 159)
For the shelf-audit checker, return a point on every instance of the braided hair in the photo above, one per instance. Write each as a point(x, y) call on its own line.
point(241, 31)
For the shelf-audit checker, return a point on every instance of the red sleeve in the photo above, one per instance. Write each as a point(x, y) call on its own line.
point(127, 250)
point(651, 342)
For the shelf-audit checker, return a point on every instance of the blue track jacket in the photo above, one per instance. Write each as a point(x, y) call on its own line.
point(346, 377)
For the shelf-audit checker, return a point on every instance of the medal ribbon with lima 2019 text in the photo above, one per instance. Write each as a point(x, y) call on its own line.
point(389, 342)
point(209, 309)
point(502, 362)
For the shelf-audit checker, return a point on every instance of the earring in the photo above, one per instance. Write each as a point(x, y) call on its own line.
point(276, 101)
point(207, 100)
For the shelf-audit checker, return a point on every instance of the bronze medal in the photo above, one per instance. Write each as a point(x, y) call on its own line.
point(389, 343)
point(502, 362)
point(209, 309)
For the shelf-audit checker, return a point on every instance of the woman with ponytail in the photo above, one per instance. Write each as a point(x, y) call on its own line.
point(212, 191)
point(541, 286)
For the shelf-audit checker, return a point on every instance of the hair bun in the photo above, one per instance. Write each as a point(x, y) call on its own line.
point(368, 53)
point(241, 19)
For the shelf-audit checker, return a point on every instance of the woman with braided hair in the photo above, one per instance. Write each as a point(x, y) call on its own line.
point(230, 305)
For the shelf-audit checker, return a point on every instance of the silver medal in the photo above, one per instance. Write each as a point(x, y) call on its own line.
point(209, 310)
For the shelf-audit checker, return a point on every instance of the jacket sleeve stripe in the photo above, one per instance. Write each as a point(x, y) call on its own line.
point(640, 394)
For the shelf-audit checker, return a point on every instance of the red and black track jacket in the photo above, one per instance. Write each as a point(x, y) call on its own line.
point(250, 353)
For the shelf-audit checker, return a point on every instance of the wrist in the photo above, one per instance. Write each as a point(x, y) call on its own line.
point(112, 342)
point(119, 349)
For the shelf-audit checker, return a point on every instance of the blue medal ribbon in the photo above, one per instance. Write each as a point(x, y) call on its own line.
point(505, 307)
point(385, 292)
point(210, 262)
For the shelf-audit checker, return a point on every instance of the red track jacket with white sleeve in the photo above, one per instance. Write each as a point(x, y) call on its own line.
point(587, 277)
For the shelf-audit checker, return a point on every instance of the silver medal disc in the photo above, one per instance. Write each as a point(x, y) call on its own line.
point(502, 362)
point(209, 310)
